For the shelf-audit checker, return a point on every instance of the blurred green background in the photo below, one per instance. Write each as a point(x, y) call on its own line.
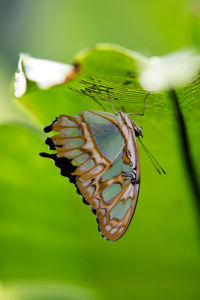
point(50, 248)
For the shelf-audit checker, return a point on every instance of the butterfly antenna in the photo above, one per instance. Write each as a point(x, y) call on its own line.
point(152, 159)
point(141, 114)
point(101, 105)
point(111, 102)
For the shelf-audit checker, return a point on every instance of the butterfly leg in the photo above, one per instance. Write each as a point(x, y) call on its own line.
point(132, 176)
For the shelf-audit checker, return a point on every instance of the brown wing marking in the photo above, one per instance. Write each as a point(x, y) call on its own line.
point(67, 154)
point(87, 175)
point(113, 229)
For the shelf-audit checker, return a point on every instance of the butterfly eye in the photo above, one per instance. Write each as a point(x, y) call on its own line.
point(138, 131)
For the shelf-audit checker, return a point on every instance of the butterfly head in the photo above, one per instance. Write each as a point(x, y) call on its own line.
point(138, 130)
point(125, 119)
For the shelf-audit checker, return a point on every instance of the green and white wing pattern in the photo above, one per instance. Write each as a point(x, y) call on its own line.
point(100, 156)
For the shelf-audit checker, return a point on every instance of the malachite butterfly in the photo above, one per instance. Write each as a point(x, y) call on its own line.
point(98, 152)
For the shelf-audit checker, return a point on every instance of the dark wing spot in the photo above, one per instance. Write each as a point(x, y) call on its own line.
point(49, 128)
point(50, 143)
point(66, 168)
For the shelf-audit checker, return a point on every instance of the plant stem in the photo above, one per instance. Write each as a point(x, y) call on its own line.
point(192, 175)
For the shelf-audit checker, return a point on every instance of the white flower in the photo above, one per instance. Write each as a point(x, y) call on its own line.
point(155, 73)
point(170, 71)
point(44, 73)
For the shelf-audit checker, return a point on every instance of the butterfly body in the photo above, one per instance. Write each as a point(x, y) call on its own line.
point(98, 152)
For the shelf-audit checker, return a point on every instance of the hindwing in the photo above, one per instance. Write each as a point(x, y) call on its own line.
point(93, 151)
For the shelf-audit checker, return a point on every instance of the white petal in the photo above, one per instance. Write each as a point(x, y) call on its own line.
point(19, 84)
point(44, 72)
point(170, 71)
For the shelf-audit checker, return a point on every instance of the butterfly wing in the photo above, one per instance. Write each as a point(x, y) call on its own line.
point(92, 151)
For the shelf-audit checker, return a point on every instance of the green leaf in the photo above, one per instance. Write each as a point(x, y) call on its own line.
point(46, 231)
point(107, 72)
point(103, 69)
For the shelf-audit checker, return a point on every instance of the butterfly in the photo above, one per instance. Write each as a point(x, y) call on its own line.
point(98, 152)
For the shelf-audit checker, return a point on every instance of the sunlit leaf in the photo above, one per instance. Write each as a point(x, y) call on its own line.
point(107, 72)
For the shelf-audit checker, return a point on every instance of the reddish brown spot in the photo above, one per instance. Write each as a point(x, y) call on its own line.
point(72, 74)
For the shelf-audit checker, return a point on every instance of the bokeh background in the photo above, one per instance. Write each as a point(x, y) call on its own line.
point(50, 248)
